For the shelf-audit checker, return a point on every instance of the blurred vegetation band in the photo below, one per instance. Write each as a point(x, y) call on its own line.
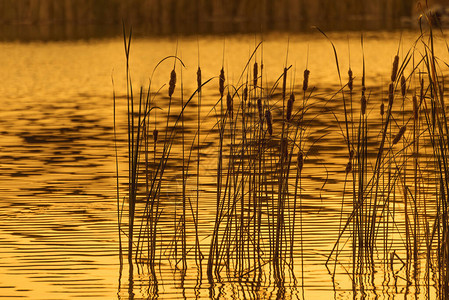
point(214, 16)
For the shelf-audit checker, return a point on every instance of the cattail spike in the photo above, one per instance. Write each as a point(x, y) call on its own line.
point(395, 68)
point(403, 86)
point(351, 80)
point(155, 134)
point(348, 167)
point(221, 82)
point(399, 135)
point(382, 109)
point(245, 93)
point(255, 74)
point(229, 104)
point(390, 94)
point(415, 107)
point(198, 79)
point(305, 83)
point(269, 122)
point(172, 83)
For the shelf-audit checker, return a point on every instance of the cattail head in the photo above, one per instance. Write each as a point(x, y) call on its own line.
point(221, 82)
point(290, 102)
point(269, 122)
point(300, 161)
point(348, 167)
point(415, 107)
point(382, 109)
point(390, 94)
point(351, 154)
point(255, 70)
point(259, 108)
point(229, 104)
point(284, 147)
point(395, 68)
point(399, 135)
point(198, 79)
point(351, 79)
point(155, 134)
point(172, 83)
point(305, 83)
point(403, 86)
point(245, 93)
point(284, 83)
point(363, 104)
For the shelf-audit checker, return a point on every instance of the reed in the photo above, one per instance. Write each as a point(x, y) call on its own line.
point(260, 138)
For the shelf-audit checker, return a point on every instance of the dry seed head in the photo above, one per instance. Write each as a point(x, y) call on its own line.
point(390, 94)
point(399, 135)
point(172, 83)
point(245, 93)
point(284, 83)
point(403, 85)
point(395, 68)
point(351, 154)
point(255, 74)
point(351, 79)
point(348, 167)
point(229, 104)
point(155, 134)
point(300, 161)
point(363, 104)
point(198, 79)
point(284, 146)
point(305, 83)
point(221, 82)
point(269, 122)
point(382, 109)
point(415, 107)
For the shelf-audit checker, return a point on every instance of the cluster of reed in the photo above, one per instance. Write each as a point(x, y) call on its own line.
point(259, 158)
point(399, 184)
point(399, 208)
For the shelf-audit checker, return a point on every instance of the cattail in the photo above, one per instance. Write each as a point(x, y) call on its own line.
point(399, 135)
point(415, 107)
point(390, 94)
point(229, 104)
point(284, 83)
point(382, 109)
point(403, 85)
point(290, 102)
point(351, 154)
point(269, 122)
point(300, 161)
point(363, 104)
point(259, 108)
point(155, 134)
point(221, 82)
point(395, 68)
point(305, 83)
point(351, 79)
point(198, 79)
point(255, 74)
point(284, 146)
point(245, 93)
point(348, 167)
point(172, 83)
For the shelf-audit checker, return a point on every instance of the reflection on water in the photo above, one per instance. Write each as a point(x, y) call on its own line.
point(58, 225)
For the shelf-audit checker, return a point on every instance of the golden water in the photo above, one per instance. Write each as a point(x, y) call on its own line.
point(58, 225)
